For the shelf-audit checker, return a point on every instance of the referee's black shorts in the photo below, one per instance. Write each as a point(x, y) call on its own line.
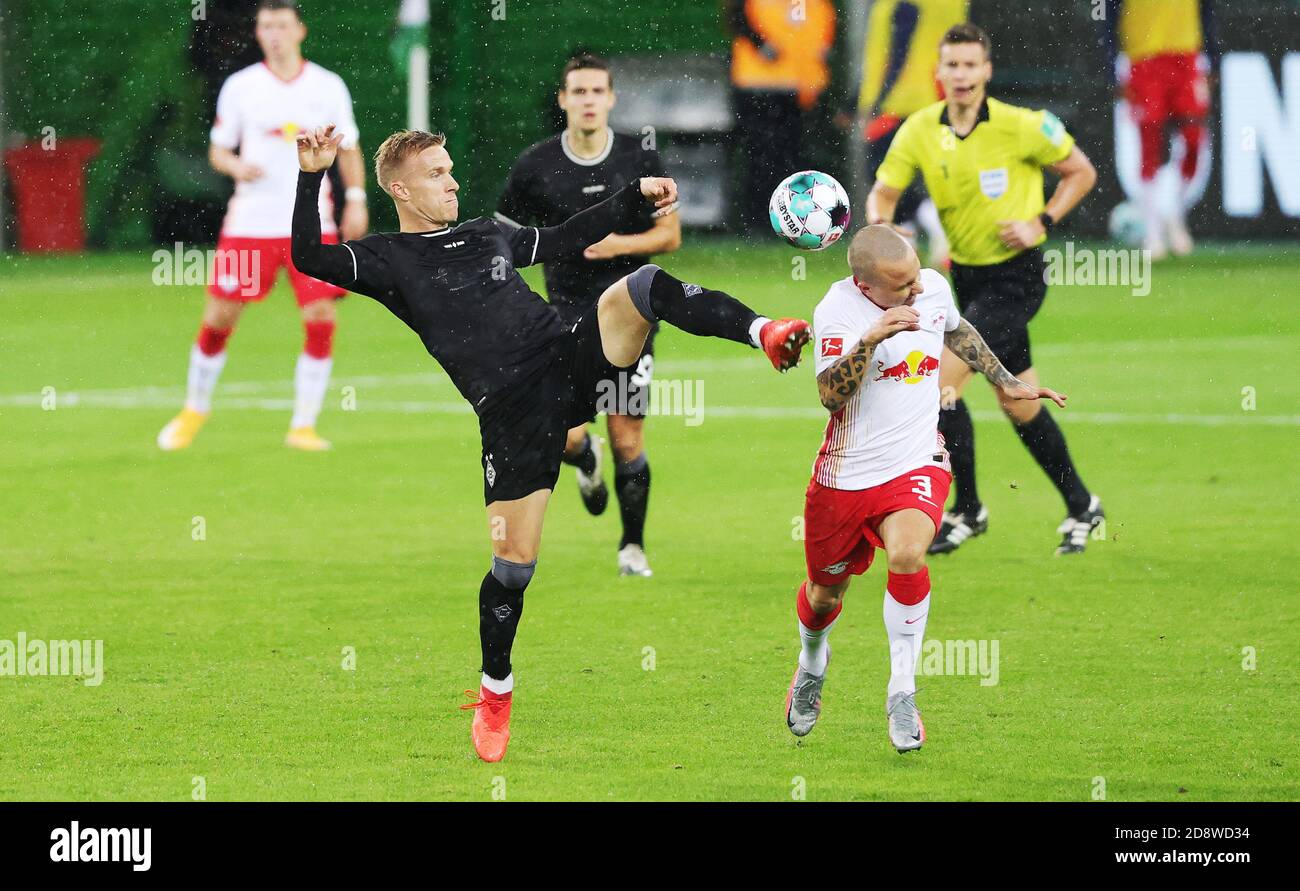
point(999, 300)
point(524, 427)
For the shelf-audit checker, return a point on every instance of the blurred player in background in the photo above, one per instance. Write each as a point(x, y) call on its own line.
point(551, 182)
point(983, 162)
point(881, 476)
point(778, 72)
point(1166, 50)
point(260, 110)
point(899, 66)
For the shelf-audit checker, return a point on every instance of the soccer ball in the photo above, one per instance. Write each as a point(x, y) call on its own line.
point(1126, 224)
point(810, 210)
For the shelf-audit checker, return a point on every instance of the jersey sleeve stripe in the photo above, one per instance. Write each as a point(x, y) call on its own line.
point(537, 236)
point(500, 217)
point(355, 272)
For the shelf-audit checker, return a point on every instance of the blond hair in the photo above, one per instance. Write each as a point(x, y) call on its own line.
point(394, 151)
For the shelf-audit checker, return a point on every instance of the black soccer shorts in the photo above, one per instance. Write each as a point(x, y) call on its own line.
point(525, 426)
point(1000, 300)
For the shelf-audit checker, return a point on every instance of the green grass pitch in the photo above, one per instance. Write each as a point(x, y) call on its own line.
point(224, 656)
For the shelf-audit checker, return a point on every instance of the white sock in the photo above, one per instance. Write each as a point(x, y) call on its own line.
point(202, 378)
point(815, 652)
point(499, 687)
point(754, 328)
point(1150, 205)
point(310, 381)
point(904, 641)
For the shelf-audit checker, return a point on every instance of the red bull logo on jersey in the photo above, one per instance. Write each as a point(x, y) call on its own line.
point(912, 370)
point(288, 132)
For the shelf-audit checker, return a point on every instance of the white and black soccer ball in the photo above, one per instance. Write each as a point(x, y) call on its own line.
point(810, 209)
point(1126, 225)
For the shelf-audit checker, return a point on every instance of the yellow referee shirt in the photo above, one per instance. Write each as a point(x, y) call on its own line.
point(995, 173)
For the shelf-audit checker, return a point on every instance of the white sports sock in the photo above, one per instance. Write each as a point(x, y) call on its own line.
point(755, 327)
point(905, 626)
point(202, 378)
point(310, 381)
point(500, 687)
point(1150, 206)
point(815, 652)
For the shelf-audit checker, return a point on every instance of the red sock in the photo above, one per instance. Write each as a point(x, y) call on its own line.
point(212, 340)
point(909, 588)
point(320, 339)
point(810, 618)
point(1193, 134)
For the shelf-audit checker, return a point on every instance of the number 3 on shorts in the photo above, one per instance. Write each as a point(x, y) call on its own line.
point(922, 487)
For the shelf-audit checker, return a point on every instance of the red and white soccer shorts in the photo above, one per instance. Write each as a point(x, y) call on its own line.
point(245, 269)
point(841, 526)
point(1167, 88)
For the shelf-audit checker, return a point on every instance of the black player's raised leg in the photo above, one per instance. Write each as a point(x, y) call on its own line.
point(632, 304)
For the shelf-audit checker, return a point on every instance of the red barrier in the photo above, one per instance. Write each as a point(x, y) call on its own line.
point(49, 189)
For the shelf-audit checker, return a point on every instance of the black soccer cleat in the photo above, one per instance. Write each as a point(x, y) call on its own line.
point(956, 528)
point(1076, 530)
point(592, 488)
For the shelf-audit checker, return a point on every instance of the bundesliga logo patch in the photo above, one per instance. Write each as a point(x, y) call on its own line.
point(832, 346)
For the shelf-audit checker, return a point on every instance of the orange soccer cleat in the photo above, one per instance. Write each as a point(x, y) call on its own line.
point(491, 729)
point(782, 340)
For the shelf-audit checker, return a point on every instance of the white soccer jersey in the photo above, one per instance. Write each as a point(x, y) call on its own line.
point(260, 115)
point(891, 424)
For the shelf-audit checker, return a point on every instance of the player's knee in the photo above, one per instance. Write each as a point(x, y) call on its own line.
point(1020, 411)
point(908, 557)
point(222, 313)
point(318, 311)
point(513, 574)
point(573, 442)
point(626, 445)
point(638, 287)
point(823, 599)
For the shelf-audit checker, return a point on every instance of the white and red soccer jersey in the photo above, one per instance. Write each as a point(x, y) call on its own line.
point(891, 424)
point(260, 115)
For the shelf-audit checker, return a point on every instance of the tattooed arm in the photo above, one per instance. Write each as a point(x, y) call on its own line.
point(967, 344)
point(837, 384)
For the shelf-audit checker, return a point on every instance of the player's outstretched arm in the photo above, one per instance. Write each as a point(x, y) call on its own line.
point(969, 346)
point(593, 224)
point(837, 384)
point(331, 263)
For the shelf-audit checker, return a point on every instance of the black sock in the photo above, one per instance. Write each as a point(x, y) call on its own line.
point(699, 310)
point(959, 438)
point(499, 609)
point(1046, 443)
point(632, 483)
point(585, 460)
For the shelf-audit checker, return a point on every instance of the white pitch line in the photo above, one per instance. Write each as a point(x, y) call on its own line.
point(165, 398)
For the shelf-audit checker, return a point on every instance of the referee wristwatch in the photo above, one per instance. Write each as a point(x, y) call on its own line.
point(1046, 219)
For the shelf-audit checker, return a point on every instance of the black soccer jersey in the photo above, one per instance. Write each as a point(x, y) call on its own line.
point(458, 288)
point(549, 184)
